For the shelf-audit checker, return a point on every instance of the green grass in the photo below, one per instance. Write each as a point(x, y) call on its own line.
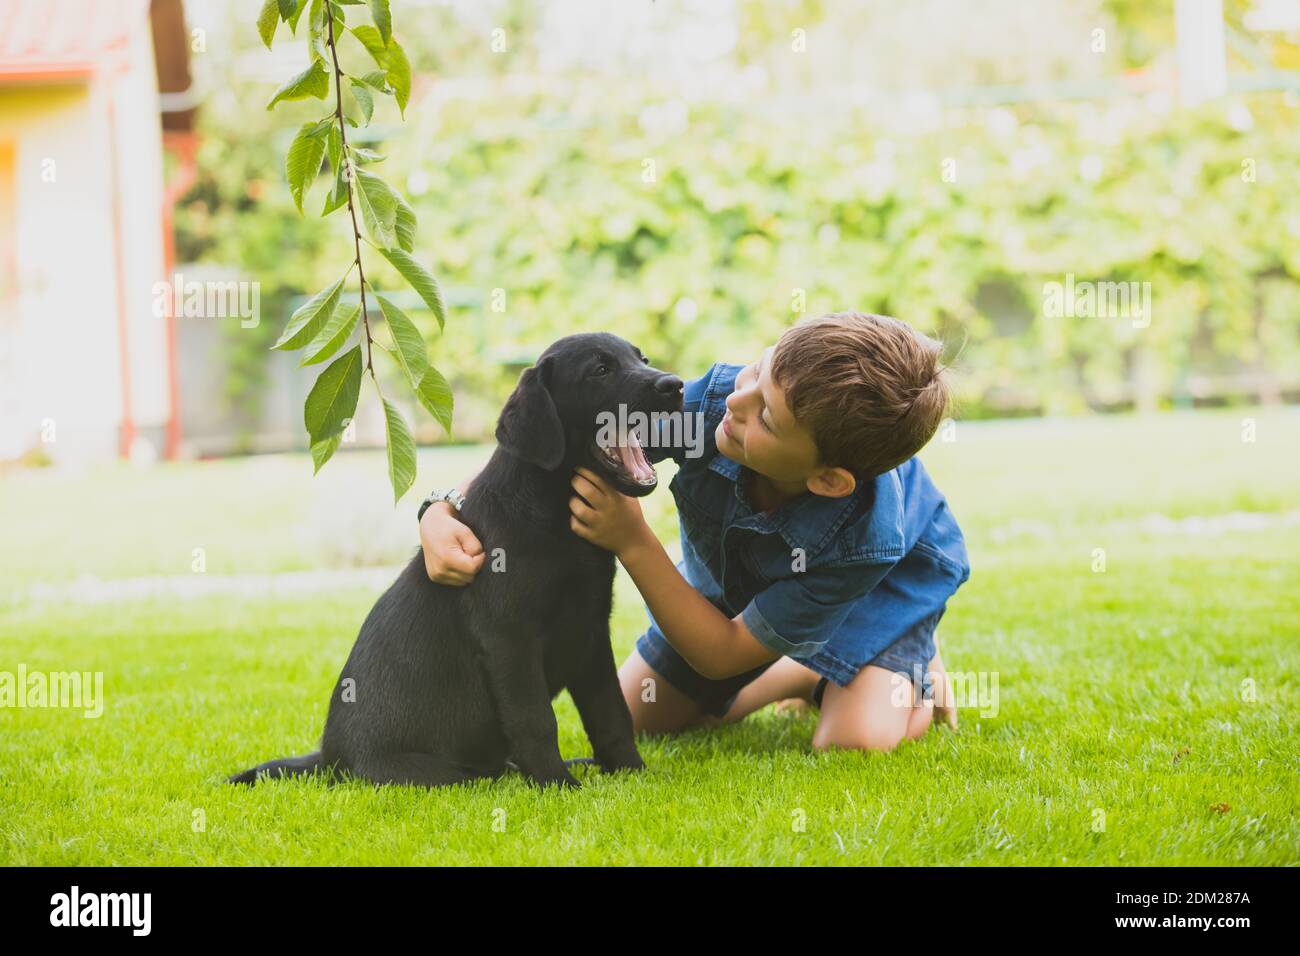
point(1121, 692)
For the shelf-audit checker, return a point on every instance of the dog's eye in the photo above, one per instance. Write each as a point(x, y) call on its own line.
point(601, 369)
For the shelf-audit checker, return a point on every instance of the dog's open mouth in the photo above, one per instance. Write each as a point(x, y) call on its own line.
point(627, 461)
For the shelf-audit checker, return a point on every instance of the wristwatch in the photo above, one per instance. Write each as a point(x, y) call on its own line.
point(449, 495)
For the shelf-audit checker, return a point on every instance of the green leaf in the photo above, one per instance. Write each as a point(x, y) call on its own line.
point(377, 79)
point(316, 19)
point(332, 402)
point(298, 7)
point(404, 223)
point(306, 323)
point(366, 155)
point(288, 8)
point(383, 18)
point(319, 47)
point(378, 207)
point(313, 81)
point(434, 393)
point(333, 335)
point(338, 196)
point(373, 42)
point(401, 452)
point(364, 99)
point(302, 162)
point(267, 21)
point(429, 385)
point(399, 75)
point(334, 146)
point(323, 450)
point(412, 354)
point(421, 281)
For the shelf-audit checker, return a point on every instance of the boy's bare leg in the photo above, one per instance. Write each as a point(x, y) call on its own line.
point(657, 706)
point(883, 704)
point(875, 712)
point(785, 681)
point(668, 710)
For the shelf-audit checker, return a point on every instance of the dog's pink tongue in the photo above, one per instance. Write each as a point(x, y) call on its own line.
point(634, 459)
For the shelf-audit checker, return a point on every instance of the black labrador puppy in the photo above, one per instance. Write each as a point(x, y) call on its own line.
point(447, 684)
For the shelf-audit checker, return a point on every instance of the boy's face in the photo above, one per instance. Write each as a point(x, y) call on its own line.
point(760, 433)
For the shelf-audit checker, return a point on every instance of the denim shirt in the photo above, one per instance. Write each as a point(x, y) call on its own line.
point(832, 581)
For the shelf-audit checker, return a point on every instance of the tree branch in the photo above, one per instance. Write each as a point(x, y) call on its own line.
point(356, 232)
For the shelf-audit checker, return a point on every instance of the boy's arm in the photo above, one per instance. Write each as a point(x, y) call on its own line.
point(452, 554)
point(793, 616)
point(715, 645)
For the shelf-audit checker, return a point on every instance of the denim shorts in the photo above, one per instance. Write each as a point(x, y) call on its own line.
point(909, 656)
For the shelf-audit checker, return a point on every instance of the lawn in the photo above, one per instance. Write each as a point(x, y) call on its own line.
point(1144, 712)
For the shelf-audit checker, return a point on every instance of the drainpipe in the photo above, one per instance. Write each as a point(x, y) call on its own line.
point(182, 146)
point(127, 437)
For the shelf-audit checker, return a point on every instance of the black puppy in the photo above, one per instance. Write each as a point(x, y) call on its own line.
point(446, 684)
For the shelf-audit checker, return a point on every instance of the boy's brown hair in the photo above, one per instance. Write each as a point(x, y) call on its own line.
point(868, 388)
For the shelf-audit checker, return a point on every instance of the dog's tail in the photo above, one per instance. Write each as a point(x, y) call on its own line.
point(305, 765)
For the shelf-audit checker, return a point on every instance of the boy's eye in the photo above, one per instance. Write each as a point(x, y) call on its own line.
point(763, 421)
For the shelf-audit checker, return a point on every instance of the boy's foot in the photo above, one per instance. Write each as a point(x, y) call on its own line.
point(945, 703)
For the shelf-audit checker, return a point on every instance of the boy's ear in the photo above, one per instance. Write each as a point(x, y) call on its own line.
point(530, 425)
point(832, 482)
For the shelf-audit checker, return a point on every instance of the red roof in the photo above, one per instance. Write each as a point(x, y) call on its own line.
point(61, 39)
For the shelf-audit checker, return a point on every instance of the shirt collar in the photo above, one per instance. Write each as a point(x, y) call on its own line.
point(809, 522)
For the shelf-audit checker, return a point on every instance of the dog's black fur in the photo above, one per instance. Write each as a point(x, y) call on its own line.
point(447, 684)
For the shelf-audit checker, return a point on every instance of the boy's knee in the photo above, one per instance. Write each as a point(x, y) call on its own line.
point(655, 705)
point(879, 741)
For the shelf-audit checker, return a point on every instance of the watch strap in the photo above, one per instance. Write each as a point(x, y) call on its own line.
point(449, 495)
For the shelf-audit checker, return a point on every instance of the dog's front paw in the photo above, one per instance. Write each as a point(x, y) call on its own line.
point(626, 761)
point(562, 779)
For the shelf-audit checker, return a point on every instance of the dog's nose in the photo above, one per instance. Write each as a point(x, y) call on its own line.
point(668, 384)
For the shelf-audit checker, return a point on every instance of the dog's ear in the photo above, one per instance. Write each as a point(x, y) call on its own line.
point(530, 425)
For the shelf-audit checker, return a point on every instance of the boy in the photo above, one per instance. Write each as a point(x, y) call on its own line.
point(817, 555)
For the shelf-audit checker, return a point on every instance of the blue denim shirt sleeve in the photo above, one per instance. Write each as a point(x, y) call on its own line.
point(692, 400)
point(797, 616)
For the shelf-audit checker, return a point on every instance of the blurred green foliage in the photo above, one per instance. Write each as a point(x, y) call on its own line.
point(534, 198)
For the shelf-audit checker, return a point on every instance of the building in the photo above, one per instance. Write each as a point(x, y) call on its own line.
point(87, 367)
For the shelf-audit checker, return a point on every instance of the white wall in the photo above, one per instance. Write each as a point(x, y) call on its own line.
point(63, 346)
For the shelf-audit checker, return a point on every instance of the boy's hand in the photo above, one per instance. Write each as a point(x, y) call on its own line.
point(452, 555)
point(604, 517)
